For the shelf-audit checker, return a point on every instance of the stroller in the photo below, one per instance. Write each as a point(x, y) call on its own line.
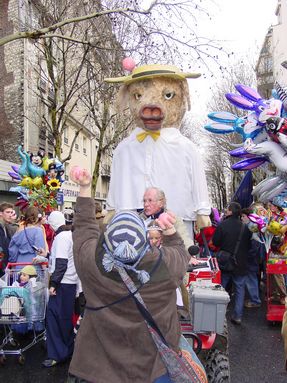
point(22, 307)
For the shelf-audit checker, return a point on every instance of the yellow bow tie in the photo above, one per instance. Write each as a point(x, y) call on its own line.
point(154, 135)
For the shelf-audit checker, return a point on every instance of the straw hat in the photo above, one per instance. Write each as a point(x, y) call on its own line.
point(151, 71)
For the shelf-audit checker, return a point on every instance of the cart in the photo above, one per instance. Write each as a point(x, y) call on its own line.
point(211, 347)
point(23, 306)
point(275, 310)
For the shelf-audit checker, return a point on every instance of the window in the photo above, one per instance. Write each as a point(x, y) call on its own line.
point(85, 145)
point(42, 85)
point(67, 171)
point(77, 146)
point(66, 135)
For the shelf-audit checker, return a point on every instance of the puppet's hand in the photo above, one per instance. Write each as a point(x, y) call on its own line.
point(166, 222)
point(202, 221)
point(80, 176)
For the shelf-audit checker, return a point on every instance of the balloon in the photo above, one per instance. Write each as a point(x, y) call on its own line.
point(258, 220)
point(281, 200)
point(248, 92)
point(226, 122)
point(224, 117)
point(219, 128)
point(23, 170)
point(274, 227)
point(239, 101)
point(273, 109)
point(241, 152)
point(249, 163)
point(15, 168)
point(272, 150)
point(26, 182)
point(128, 64)
point(266, 185)
point(275, 191)
point(33, 170)
point(14, 176)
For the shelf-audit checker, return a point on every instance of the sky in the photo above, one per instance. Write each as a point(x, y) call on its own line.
point(241, 22)
point(241, 26)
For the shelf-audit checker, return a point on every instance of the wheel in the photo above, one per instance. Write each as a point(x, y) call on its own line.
point(14, 343)
point(217, 367)
point(221, 341)
point(2, 360)
point(21, 360)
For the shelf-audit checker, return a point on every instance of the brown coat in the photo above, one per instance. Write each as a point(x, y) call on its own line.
point(113, 344)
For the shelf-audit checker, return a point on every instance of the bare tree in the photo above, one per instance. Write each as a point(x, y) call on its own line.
point(81, 46)
point(165, 26)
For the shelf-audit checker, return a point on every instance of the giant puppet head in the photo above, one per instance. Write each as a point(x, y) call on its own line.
point(157, 95)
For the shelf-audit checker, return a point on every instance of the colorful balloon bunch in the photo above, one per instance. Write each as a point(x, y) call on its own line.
point(266, 225)
point(39, 179)
point(264, 134)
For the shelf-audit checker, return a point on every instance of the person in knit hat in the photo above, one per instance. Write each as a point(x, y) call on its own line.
point(62, 290)
point(27, 273)
point(114, 343)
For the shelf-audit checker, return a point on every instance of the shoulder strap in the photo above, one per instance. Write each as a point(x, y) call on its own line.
point(149, 319)
point(238, 240)
point(28, 239)
point(131, 294)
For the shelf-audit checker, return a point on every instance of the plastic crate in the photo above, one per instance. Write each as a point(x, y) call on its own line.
point(208, 303)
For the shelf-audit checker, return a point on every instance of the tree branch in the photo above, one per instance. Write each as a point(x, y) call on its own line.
point(44, 31)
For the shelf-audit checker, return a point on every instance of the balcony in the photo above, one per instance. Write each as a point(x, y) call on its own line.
point(106, 171)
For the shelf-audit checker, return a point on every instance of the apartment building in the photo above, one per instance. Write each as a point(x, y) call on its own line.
point(272, 62)
point(27, 95)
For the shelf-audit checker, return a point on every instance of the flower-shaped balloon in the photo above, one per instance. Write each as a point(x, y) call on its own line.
point(54, 184)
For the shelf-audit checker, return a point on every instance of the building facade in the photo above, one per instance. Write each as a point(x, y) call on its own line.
point(26, 96)
point(272, 62)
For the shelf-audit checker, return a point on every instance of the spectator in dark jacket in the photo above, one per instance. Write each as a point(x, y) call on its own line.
point(7, 229)
point(226, 235)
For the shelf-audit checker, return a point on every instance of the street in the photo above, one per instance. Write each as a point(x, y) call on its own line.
point(256, 356)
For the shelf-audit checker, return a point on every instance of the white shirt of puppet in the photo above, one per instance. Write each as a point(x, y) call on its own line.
point(170, 163)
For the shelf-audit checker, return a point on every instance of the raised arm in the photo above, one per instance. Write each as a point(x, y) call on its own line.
point(86, 230)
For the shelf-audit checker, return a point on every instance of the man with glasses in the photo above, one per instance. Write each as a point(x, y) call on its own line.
point(154, 203)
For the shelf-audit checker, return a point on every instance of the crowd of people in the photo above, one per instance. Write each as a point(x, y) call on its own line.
point(86, 258)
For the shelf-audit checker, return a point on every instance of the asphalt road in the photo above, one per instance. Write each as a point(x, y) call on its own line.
point(256, 356)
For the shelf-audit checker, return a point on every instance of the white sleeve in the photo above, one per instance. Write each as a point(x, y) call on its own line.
point(61, 247)
point(200, 195)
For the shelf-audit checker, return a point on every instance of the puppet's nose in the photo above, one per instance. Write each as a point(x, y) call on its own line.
point(151, 112)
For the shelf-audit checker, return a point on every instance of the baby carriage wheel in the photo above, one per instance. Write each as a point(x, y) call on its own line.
point(13, 342)
point(2, 360)
point(21, 360)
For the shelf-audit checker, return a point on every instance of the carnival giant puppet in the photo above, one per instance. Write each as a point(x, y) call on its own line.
point(156, 153)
